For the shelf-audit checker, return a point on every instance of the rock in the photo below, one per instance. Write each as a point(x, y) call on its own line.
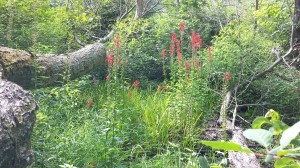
point(17, 117)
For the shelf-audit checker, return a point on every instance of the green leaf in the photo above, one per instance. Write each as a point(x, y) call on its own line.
point(288, 152)
point(289, 134)
point(261, 136)
point(259, 121)
point(203, 162)
point(286, 163)
point(274, 115)
point(227, 146)
point(279, 126)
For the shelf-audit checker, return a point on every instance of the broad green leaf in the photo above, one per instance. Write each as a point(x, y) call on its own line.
point(261, 136)
point(278, 126)
point(227, 146)
point(274, 115)
point(259, 121)
point(203, 162)
point(289, 152)
point(286, 163)
point(289, 134)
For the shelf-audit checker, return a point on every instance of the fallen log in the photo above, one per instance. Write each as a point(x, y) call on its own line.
point(23, 68)
point(17, 117)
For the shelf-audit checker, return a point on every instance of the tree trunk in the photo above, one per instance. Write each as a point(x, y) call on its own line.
point(23, 68)
point(17, 117)
point(296, 20)
point(139, 9)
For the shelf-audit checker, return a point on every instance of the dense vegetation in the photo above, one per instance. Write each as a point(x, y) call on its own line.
point(167, 75)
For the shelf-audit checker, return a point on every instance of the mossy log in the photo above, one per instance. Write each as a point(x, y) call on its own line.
point(23, 68)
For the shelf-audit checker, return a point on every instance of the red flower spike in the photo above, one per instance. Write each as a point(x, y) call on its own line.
point(182, 27)
point(197, 65)
point(107, 78)
point(187, 66)
point(136, 84)
point(179, 57)
point(110, 58)
point(89, 103)
point(173, 37)
point(163, 53)
point(172, 49)
point(117, 42)
point(196, 41)
point(226, 76)
point(129, 93)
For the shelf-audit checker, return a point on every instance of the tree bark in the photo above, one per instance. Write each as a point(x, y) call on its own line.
point(23, 68)
point(17, 117)
point(139, 9)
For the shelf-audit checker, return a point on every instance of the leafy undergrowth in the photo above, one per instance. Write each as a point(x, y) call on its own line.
point(86, 124)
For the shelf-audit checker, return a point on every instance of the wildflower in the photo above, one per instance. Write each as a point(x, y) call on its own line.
point(186, 64)
point(89, 103)
point(173, 37)
point(197, 65)
point(179, 57)
point(209, 58)
point(171, 49)
point(182, 27)
point(119, 62)
point(226, 76)
point(110, 58)
point(177, 46)
point(163, 53)
point(136, 84)
point(129, 94)
point(196, 41)
point(117, 41)
point(107, 78)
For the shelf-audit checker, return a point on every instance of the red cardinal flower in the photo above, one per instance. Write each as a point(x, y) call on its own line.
point(226, 76)
point(182, 27)
point(89, 103)
point(117, 41)
point(107, 78)
point(110, 58)
point(186, 64)
point(129, 93)
point(179, 57)
point(173, 37)
point(136, 84)
point(196, 41)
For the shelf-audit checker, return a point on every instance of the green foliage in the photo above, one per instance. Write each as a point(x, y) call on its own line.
point(289, 138)
point(261, 136)
point(227, 146)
